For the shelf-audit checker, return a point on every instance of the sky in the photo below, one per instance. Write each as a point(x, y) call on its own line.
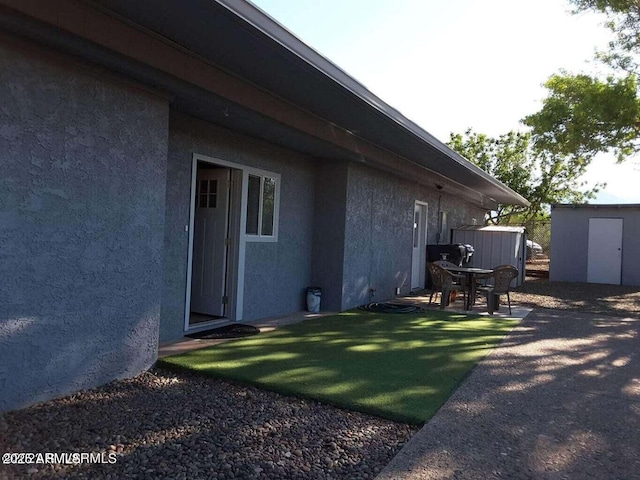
point(458, 64)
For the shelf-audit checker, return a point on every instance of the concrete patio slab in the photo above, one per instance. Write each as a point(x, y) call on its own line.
point(265, 325)
point(457, 306)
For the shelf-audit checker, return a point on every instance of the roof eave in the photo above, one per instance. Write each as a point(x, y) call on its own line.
point(271, 28)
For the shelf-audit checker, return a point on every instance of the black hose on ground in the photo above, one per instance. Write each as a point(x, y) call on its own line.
point(388, 307)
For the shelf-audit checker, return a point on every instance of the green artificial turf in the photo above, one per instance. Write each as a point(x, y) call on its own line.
point(401, 367)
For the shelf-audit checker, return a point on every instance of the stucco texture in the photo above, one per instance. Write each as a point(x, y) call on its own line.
point(276, 274)
point(329, 228)
point(82, 181)
point(379, 232)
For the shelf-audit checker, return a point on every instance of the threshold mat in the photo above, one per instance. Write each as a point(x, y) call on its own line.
point(236, 330)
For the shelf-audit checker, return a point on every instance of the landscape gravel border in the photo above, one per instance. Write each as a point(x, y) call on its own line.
point(163, 424)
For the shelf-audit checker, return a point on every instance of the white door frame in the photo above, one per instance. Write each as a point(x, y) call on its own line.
point(237, 222)
point(423, 248)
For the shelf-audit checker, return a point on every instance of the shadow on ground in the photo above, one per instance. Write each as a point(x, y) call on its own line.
point(400, 367)
point(614, 300)
point(559, 399)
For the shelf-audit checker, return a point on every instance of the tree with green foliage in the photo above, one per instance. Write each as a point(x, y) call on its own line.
point(583, 115)
point(540, 176)
point(623, 20)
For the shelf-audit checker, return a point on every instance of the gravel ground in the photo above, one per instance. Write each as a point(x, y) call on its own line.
point(612, 300)
point(167, 425)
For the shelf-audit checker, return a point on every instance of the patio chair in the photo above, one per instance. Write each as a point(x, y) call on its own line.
point(497, 283)
point(445, 263)
point(443, 283)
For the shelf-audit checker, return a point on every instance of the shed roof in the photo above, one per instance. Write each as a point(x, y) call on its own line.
point(492, 228)
point(596, 206)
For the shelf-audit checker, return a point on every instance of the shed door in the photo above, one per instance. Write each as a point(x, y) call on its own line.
point(604, 264)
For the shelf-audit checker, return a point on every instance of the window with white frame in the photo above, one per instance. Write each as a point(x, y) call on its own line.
point(262, 206)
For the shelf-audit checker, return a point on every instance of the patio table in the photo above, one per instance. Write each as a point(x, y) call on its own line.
point(470, 273)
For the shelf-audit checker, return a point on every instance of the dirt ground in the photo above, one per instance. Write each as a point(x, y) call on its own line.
point(614, 300)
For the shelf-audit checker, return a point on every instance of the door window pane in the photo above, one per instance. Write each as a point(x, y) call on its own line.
point(253, 204)
point(416, 231)
point(207, 196)
point(268, 205)
point(213, 197)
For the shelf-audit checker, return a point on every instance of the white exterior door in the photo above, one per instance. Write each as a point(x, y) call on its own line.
point(604, 261)
point(210, 241)
point(419, 257)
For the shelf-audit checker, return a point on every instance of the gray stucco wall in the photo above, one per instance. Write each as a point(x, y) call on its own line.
point(329, 228)
point(570, 242)
point(458, 212)
point(379, 232)
point(276, 274)
point(82, 180)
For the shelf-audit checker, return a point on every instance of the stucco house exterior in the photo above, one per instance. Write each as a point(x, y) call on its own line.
point(169, 165)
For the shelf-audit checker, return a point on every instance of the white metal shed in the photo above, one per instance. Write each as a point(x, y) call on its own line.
point(495, 245)
point(595, 243)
